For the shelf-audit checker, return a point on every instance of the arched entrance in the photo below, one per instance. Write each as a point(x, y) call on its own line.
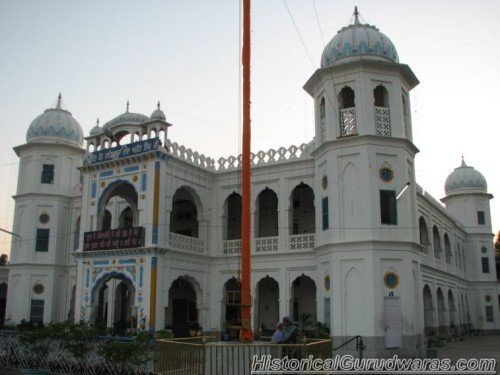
point(231, 300)
point(303, 302)
point(114, 300)
point(267, 309)
point(182, 313)
point(443, 327)
point(452, 314)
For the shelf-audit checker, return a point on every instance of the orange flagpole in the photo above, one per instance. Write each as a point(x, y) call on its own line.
point(246, 334)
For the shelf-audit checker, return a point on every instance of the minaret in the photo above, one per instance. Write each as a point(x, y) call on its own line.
point(46, 217)
point(364, 158)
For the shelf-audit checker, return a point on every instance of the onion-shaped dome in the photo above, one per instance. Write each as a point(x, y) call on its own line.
point(356, 40)
point(55, 125)
point(127, 118)
point(158, 114)
point(465, 179)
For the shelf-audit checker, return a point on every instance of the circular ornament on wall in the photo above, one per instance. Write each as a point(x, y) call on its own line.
point(103, 184)
point(327, 282)
point(487, 298)
point(484, 250)
point(38, 288)
point(324, 182)
point(44, 218)
point(391, 280)
point(386, 174)
point(135, 178)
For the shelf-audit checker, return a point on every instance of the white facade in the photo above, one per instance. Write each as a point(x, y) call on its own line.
point(145, 232)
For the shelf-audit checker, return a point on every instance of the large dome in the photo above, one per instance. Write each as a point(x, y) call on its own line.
point(465, 179)
point(358, 39)
point(55, 124)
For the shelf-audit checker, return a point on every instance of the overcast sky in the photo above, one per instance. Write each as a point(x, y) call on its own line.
point(185, 53)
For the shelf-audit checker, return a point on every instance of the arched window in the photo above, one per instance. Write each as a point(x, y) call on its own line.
point(322, 118)
point(447, 248)
point(406, 117)
point(106, 221)
point(347, 112)
point(302, 216)
point(126, 218)
point(184, 215)
point(382, 117)
point(76, 234)
point(424, 235)
point(232, 216)
point(267, 214)
point(437, 242)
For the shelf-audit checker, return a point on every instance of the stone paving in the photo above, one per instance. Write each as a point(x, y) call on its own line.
point(473, 347)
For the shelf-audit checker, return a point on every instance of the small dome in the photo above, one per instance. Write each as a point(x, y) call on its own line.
point(96, 130)
point(158, 114)
point(465, 179)
point(358, 40)
point(127, 118)
point(55, 124)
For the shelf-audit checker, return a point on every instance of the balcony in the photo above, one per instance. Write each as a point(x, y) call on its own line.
point(125, 238)
point(186, 243)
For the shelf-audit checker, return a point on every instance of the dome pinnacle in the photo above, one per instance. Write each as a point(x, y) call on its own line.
point(128, 104)
point(58, 106)
point(356, 14)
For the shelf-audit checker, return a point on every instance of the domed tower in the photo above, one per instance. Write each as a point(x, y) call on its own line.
point(47, 211)
point(467, 199)
point(364, 158)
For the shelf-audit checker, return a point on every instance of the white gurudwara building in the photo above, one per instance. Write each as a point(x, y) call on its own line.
point(125, 227)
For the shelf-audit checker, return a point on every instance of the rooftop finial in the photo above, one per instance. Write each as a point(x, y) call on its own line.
point(128, 104)
point(356, 14)
point(59, 97)
point(158, 105)
point(97, 122)
point(463, 162)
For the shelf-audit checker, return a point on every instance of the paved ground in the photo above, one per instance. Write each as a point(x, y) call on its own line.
point(472, 347)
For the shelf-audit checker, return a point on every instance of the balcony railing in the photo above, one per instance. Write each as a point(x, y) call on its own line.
point(266, 245)
point(185, 243)
point(302, 241)
point(113, 239)
point(348, 122)
point(230, 247)
point(382, 121)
